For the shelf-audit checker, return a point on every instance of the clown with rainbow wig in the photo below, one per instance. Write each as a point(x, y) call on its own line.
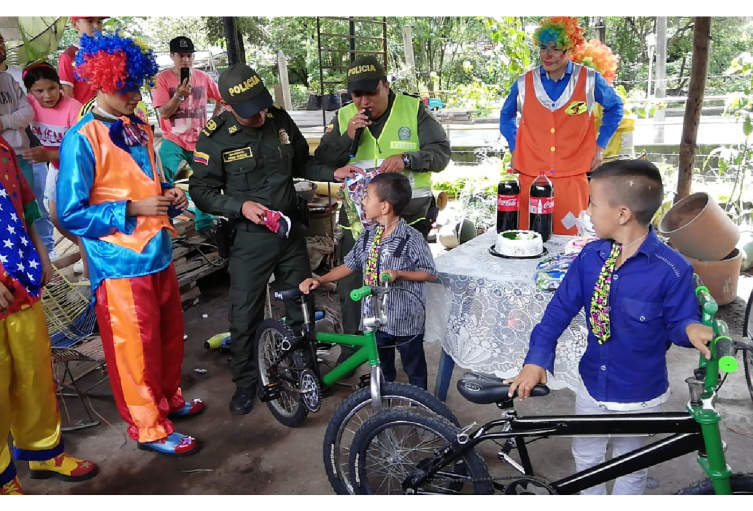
point(556, 135)
point(113, 195)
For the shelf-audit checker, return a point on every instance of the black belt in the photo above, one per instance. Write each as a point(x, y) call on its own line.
point(248, 226)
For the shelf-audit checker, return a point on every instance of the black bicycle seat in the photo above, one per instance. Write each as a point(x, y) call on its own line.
point(288, 294)
point(484, 389)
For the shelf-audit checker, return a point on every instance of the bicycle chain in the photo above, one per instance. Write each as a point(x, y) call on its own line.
point(543, 482)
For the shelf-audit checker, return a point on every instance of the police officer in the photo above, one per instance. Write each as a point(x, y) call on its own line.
point(401, 135)
point(244, 165)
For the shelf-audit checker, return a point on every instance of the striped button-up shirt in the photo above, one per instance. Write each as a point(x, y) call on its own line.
point(405, 250)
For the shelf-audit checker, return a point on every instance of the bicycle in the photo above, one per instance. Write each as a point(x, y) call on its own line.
point(748, 357)
point(696, 429)
point(292, 381)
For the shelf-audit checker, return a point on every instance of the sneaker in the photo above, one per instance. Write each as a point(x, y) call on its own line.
point(12, 487)
point(54, 255)
point(277, 223)
point(79, 266)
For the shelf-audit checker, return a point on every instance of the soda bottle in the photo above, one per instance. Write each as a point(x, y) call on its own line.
point(508, 203)
point(541, 206)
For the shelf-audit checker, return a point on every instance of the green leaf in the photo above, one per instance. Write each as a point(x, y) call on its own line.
point(747, 127)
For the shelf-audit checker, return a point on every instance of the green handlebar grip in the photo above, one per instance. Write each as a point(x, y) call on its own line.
point(385, 277)
point(708, 304)
point(358, 294)
point(725, 352)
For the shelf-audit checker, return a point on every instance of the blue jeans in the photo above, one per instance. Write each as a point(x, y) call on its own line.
point(43, 225)
point(411, 355)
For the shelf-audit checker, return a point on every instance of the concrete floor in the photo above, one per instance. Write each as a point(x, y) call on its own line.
point(254, 454)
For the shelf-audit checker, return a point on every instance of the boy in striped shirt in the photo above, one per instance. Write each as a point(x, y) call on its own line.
point(391, 246)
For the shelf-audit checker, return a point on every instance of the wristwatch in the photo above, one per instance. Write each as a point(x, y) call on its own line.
point(406, 161)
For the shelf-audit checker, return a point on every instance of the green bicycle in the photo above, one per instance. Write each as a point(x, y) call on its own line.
point(398, 451)
point(292, 381)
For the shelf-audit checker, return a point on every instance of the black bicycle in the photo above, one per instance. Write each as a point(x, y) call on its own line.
point(399, 451)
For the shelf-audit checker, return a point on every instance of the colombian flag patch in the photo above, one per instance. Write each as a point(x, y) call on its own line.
point(199, 157)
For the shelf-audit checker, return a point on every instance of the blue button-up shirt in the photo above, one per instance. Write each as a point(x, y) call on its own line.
point(652, 301)
point(603, 93)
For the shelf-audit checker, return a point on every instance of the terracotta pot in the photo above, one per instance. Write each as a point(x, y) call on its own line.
point(698, 228)
point(720, 277)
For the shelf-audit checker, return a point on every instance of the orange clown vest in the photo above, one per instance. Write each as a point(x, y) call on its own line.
point(557, 135)
point(119, 177)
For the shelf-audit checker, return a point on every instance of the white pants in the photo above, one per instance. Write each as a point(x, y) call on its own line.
point(591, 451)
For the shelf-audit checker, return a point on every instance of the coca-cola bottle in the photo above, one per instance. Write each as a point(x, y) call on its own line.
point(541, 206)
point(508, 202)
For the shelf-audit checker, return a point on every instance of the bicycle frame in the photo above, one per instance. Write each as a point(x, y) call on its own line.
point(686, 437)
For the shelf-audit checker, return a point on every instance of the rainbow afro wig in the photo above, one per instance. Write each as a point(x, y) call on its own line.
point(597, 56)
point(114, 64)
point(563, 31)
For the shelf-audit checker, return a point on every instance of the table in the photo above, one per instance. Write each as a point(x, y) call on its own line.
point(482, 309)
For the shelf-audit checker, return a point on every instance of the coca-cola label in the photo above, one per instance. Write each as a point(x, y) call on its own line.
point(541, 205)
point(508, 202)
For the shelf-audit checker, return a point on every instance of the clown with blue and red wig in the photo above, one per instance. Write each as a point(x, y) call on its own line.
point(112, 194)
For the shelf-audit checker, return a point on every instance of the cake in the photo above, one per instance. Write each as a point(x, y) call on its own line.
point(519, 244)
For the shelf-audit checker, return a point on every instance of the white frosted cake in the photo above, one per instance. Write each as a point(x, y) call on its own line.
point(519, 244)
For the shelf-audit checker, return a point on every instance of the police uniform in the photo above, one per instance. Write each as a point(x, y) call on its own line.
point(234, 164)
point(407, 128)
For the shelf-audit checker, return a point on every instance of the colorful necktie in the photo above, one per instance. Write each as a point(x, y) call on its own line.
point(599, 317)
point(372, 263)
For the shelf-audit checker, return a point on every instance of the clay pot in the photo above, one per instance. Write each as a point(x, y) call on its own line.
point(697, 227)
point(720, 277)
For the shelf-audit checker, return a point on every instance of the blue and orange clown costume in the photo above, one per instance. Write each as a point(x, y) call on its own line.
point(28, 406)
point(107, 161)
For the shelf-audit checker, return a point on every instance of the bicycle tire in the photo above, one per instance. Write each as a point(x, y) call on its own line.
point(473, 465)
point(291, 412)
point(742, 484)
point(747, 356)
point(336, 454)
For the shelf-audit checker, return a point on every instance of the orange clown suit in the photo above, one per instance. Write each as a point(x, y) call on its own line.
point(559, 139)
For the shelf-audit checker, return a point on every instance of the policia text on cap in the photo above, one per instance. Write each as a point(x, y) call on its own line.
point(244, 165)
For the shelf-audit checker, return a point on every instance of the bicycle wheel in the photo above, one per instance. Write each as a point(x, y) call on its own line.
point(393, 443)
point(742, 484)
point(355, 410)
point(748, 357)
point(288, 408)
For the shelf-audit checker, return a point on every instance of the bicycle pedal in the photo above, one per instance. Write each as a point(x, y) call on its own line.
point(270, 392)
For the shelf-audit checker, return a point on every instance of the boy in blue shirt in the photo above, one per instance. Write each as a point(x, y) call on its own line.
point(639, 298)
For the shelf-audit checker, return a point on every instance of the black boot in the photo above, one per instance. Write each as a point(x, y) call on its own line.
point(242, 401)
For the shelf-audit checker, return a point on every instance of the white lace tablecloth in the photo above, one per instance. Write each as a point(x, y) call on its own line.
point(483, 308)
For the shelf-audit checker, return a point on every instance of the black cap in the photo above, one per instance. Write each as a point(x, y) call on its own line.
point(365, 74)
point(242, 88)
point(181, 44)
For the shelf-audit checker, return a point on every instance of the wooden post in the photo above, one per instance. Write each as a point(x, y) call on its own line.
point(661, 76)
point(282, 67)
point(600, 28)
point(699, 70)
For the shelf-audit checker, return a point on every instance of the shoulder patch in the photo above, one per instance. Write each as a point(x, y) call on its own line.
point(232, 129)
point(329, 128)
point(200, 157)
point(212, 125)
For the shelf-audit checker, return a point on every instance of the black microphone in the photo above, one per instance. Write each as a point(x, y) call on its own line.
point(357, 137)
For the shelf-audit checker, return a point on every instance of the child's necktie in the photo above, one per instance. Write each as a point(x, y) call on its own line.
point(372, 262)
point(599, 316)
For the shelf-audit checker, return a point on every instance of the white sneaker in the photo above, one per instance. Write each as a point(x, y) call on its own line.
point(78, 267)
point(53, 255)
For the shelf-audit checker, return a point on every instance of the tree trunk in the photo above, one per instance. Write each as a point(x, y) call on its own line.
point(231, 40)
point(698, 73)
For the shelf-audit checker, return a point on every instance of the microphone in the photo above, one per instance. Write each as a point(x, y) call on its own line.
point(357, 137)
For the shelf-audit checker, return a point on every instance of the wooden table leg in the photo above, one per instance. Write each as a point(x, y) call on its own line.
point(444, 375)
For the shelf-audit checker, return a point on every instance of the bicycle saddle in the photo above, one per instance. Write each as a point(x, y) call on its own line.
point(484, 389)
point(288, 294)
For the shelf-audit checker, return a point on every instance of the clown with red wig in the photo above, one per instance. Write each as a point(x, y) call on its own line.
point(556, 135)
point(112, 194)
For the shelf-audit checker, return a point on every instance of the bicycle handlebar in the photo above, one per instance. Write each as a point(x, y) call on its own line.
point(359, 294)
point(725, 352)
